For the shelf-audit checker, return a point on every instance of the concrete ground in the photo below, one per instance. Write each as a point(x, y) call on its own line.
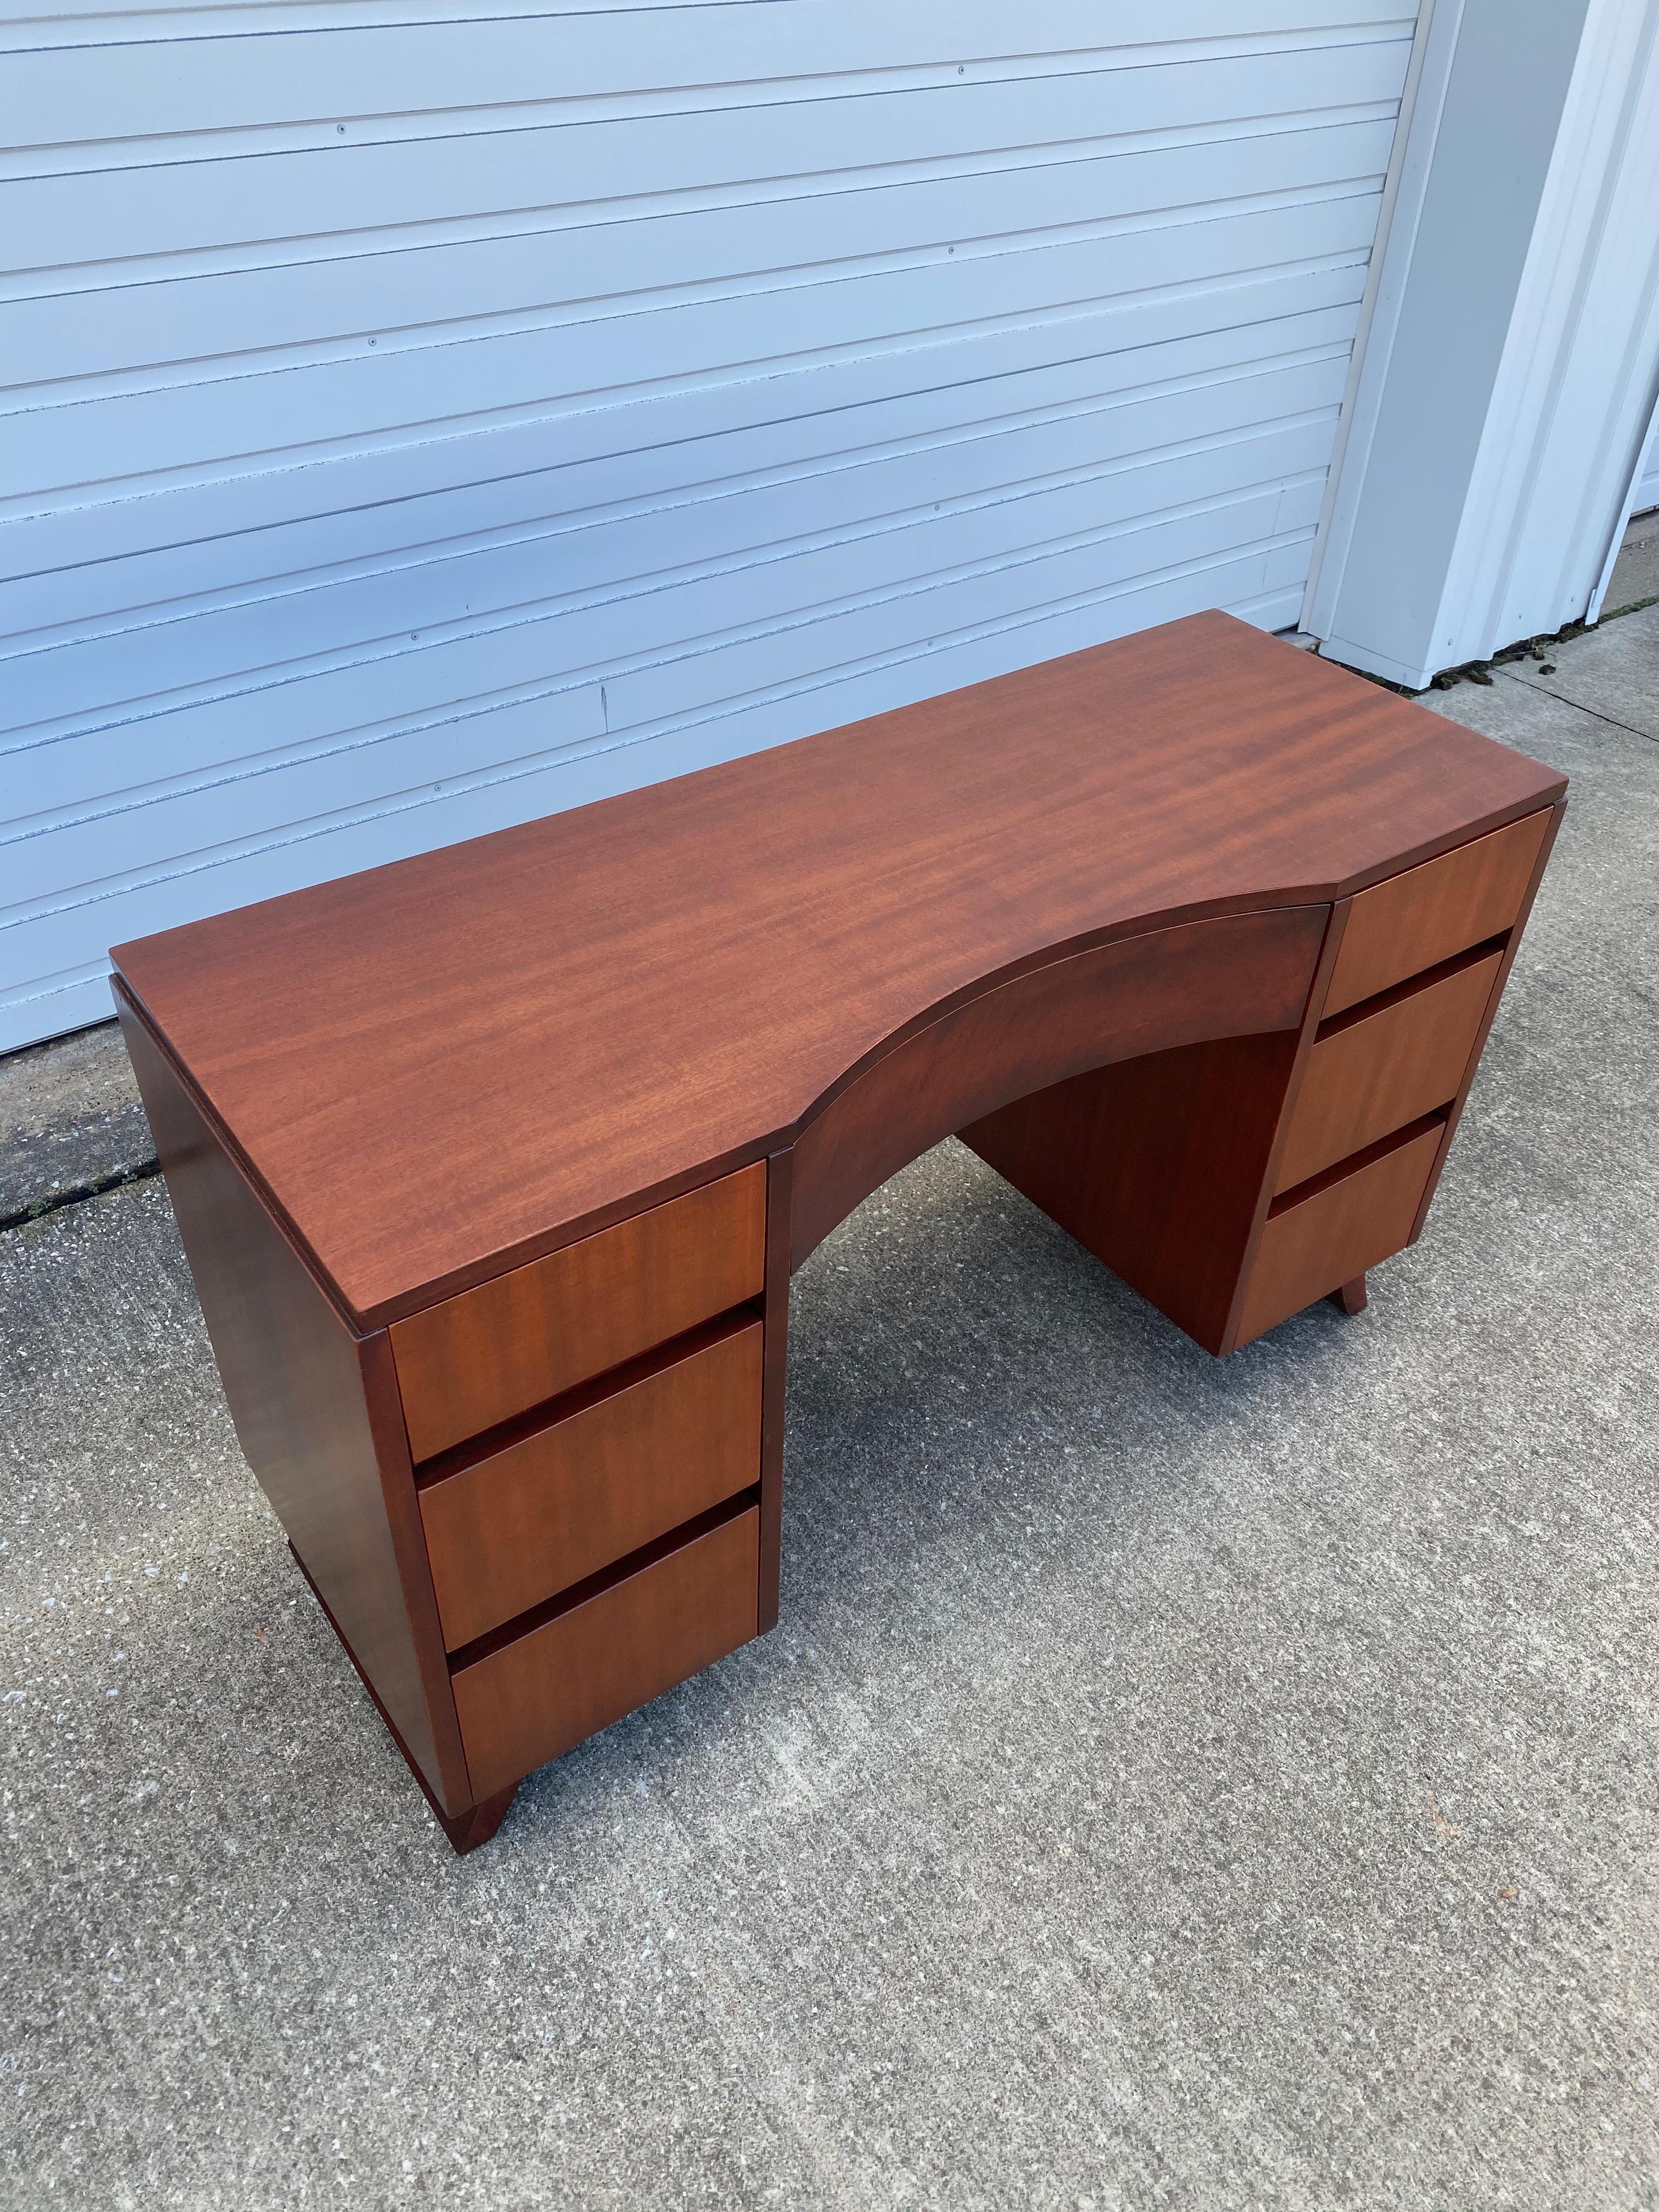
point(1635, 576)
point(71, 1123)
point(1171, 1783)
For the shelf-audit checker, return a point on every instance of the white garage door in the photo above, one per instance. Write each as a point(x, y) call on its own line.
point(420, 418)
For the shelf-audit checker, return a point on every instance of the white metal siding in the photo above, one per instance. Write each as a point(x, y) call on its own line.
point(1647, 484)
point(418, 418)
point(1485, 503)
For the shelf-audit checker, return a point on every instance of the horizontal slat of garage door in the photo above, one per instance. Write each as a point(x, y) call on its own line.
point(419, 418)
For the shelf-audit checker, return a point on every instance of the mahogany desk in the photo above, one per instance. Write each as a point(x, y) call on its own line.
point(492, 1165)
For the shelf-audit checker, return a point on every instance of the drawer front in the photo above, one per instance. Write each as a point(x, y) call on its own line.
point(563, 1682)
point(1384, 1070)
point(1336, 1233)
point(1414, 921)
point(480, 1358)
point(510, 1530)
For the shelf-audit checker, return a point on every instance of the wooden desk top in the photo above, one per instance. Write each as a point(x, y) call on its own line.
point(443, 1067)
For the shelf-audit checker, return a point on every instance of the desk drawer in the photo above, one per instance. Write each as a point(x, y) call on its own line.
point(1415, 921)
point(1336, 1232)
point(546, 1510)
point(1389, 1068)
point(480, 1358)
point(586, 1668)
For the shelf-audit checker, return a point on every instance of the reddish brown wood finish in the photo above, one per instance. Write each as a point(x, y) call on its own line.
point(779, 1181)
point(1546, 847)
point(464, 1134)
point(1419, 918)
point(517, 1524)
point(300, 1389)
point(1344, 1224)
point(1137, 995)
point(475, 1824)
point(480, 1824)
point(1350, 1297)
point(1392, 1065)
point(530, 1035)
point(1155, 1165)
point(531, 1699)
point(1161, 1167)
point(477, 1359)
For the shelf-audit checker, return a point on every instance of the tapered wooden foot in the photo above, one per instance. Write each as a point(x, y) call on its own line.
point(468, 1830)
point(1352, 1296)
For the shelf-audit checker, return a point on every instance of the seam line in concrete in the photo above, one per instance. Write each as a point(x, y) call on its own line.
point(1538, 692)
point(38, 1208)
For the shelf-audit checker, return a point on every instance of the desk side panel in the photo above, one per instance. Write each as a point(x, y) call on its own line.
point(293, 1377)
point(1157, 1166)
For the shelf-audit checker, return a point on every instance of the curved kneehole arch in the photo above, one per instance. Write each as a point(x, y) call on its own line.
point(1237, 975)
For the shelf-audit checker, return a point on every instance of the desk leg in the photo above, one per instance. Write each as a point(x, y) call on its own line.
point(1351, 1297)
point(469, 1830)
point(466, 1830)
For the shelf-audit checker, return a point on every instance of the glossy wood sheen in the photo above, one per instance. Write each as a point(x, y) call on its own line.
point(1170, 987)
point(493, 1130)
point(1156, 1166)
point(296, 1383)
point(476, 1827)
point(1425, 914)
point(551, 1508)
point(1387, 1069)
point(538, 1696)
point(477, 1359)
point(1513, 946)
point(1160, 1165)
point(444, 1067)
point(1335, 1234)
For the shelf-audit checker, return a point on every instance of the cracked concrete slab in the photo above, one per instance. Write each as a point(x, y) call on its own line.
point(1612, 670)
point(1171, 1783)
point(1636, 572)
point(71, 1120)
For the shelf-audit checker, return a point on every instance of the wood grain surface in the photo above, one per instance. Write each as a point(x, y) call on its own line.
point(519, 1524)
point(1425, 914)
point(1342, 1227)
point(1156, 1166)
point(472, 1361)
point(444, 1067)
point(299, 1387)
point(1396, 1063)
point(775, 1378)
point(530, 1700)
point(1135, 996)
point(1546, 846)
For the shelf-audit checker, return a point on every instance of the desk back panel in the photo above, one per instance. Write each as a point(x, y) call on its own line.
point(315, 1408)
